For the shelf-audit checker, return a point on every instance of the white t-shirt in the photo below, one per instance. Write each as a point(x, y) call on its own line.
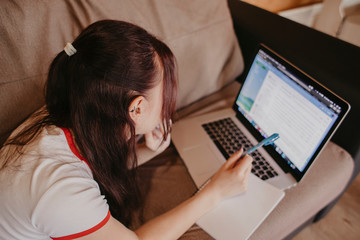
point(49, 192)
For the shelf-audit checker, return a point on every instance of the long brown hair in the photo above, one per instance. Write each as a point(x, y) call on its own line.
point(90, 93)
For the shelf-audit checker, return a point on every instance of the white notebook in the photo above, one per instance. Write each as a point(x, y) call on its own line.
point(238, 217)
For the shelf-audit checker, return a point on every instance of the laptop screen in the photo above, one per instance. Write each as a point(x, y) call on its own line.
point(276, 97)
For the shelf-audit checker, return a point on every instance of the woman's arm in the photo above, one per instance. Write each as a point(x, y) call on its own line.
point(230, 180)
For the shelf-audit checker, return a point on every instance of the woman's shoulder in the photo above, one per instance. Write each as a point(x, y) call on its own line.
point(50, 184)
point(52, 146)
point(45, 161)
point(57, 143)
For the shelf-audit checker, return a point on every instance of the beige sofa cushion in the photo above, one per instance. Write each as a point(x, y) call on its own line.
point(200, 33)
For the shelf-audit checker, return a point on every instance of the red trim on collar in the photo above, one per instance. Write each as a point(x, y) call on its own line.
point(71, 144)
point(86, 232)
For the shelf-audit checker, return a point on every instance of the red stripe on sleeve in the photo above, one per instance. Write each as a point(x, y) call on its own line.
point(86, 232)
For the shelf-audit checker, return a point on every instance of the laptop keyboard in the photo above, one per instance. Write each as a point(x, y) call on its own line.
point(228, 138)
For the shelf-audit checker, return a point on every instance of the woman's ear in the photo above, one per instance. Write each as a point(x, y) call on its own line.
point(136, 108)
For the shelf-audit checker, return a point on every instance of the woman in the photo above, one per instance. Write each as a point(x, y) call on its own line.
point(69, 170)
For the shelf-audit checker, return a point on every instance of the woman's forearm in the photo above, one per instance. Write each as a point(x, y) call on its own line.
point(174, 223)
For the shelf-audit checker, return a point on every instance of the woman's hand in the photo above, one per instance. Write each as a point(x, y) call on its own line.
point(232, 178)
point(152, 146)
point(154, 140)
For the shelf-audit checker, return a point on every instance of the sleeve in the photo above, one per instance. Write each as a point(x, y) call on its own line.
point(71, 206)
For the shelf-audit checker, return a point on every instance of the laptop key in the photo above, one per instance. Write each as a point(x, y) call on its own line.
point(222, 150)
point(270, 174)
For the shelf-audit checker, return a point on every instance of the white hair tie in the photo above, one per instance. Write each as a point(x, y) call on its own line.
point(69, 49)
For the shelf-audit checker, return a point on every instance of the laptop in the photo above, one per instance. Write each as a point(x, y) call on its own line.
point(275, 97)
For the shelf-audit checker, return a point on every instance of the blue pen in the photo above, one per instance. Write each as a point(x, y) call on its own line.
point(264, 142)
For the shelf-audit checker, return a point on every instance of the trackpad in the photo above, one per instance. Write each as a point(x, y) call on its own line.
point(202, 158)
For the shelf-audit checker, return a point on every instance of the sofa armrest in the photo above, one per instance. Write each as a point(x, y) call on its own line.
point(325, 181)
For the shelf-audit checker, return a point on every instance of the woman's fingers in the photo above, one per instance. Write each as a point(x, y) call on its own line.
point(233, 159)
point(247, 171)
point(232, 178)
point(157, 133)
point(155, 141)
point(243, 163)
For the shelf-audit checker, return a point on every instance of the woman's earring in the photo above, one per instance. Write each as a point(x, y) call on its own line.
point(133, 109)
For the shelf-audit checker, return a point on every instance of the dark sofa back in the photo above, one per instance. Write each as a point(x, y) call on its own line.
point(331, 61)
